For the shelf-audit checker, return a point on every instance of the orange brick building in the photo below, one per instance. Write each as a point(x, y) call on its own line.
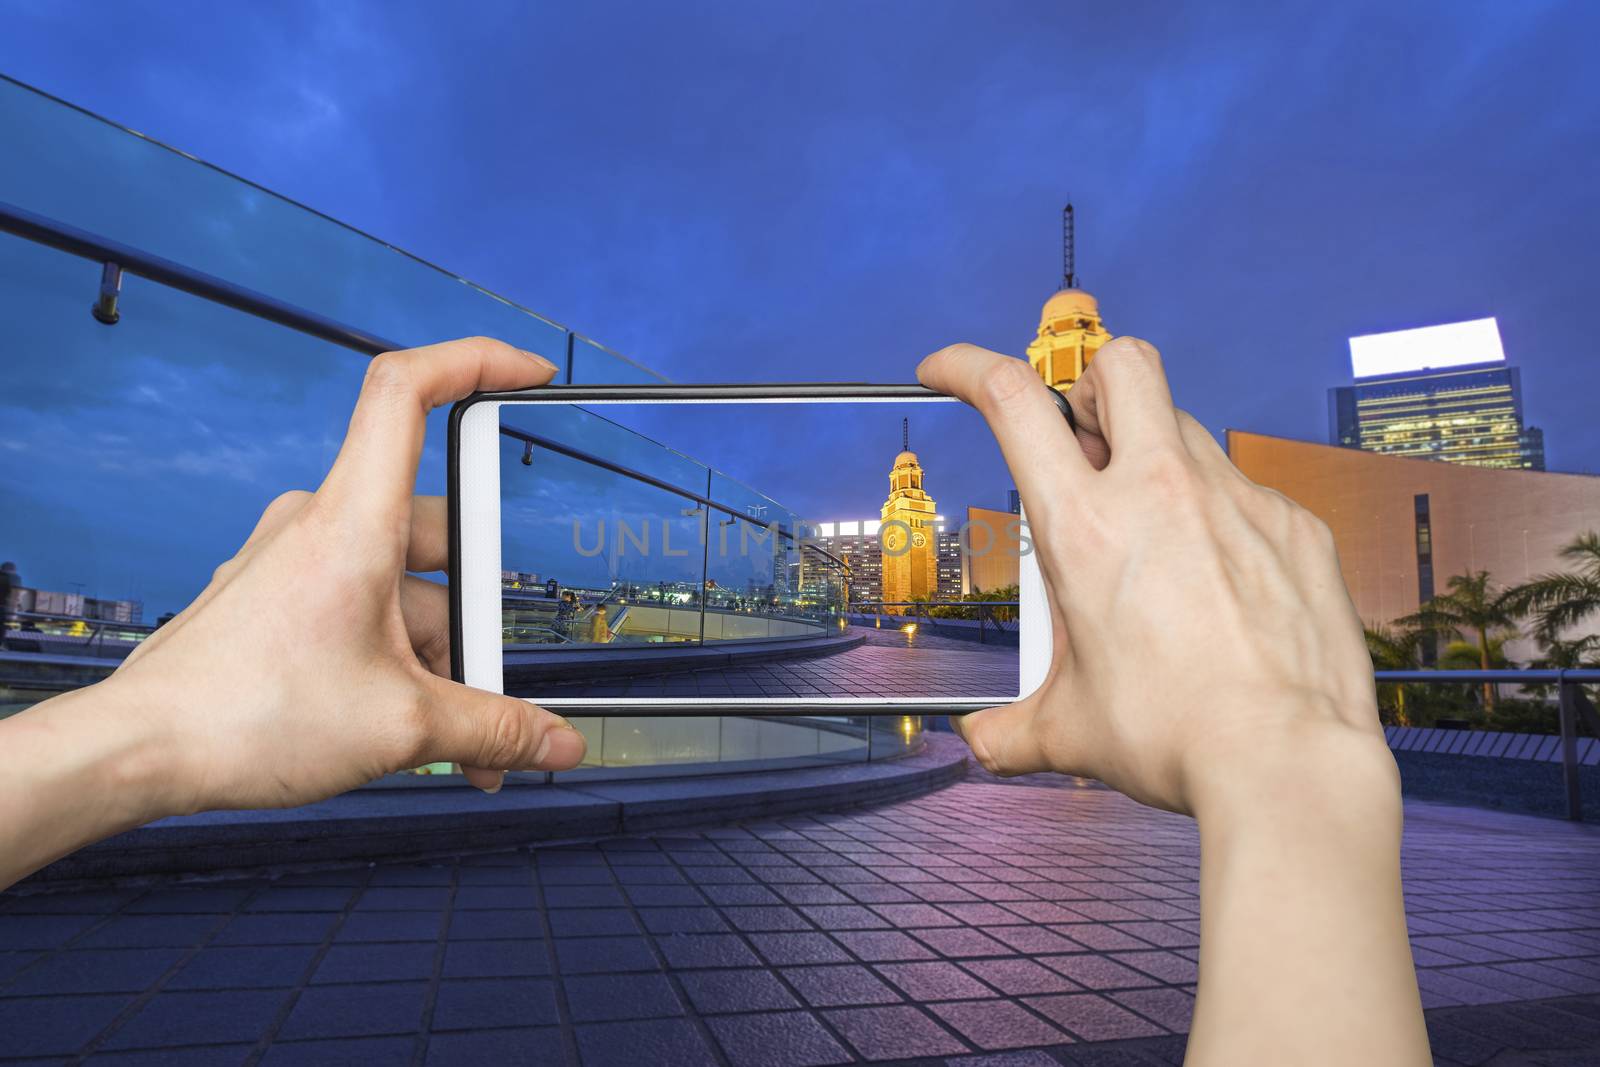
point(1404, 526)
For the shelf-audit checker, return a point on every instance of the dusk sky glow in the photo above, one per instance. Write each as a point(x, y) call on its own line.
point(737, 192)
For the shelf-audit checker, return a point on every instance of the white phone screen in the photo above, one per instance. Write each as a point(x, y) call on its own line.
point(794, 552)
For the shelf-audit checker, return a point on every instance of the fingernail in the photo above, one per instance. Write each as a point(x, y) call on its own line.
point(498, 783)
point(545, 363)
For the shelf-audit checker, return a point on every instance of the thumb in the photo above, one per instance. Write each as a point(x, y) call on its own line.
point(479, 729)
point(1003, 738)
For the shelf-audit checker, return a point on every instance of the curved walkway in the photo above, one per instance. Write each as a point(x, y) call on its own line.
point(1031, 922)
point(538, 672)
point(876, 663)
point(444, 815)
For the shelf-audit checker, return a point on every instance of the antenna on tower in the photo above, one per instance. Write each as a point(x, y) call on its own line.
point(905, 435)
point(1069, 276)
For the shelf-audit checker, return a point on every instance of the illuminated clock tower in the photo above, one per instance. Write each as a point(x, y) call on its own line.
point(907, 535)
point(1070, 333)
point(1070, 330)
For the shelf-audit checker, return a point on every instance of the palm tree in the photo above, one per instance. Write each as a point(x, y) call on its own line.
point(1577, 654)
point(1395, 649)
point(1562, 599)
point(1472, 609)
point(1568, 655)
point(1466, 656)
point(1005, 592)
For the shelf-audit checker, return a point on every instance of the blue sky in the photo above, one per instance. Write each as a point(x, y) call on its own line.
point(745, 191)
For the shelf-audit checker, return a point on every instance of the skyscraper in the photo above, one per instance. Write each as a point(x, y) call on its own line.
point(855, 542)
point(1438, 392)
point(947, 544)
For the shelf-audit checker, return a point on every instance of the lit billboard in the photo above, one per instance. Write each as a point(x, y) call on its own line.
point(1453, 344)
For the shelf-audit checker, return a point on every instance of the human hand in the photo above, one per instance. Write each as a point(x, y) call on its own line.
point(313, 662)
point(1200, 621)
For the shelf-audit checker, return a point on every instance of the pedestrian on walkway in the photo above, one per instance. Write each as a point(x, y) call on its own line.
point(566, 611)
point(599, 628)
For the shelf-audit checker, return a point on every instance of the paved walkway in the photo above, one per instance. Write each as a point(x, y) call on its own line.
point(1041, 921)
point(889, 663)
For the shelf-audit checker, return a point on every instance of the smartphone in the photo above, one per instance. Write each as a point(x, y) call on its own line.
point(739, 549)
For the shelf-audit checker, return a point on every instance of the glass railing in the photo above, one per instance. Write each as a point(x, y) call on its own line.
point(665, 549)
point(592, 363)
point(72, 166)
point(136, 457)
point(619, 744)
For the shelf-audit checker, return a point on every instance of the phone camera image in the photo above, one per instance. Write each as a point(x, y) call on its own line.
point(755, 552)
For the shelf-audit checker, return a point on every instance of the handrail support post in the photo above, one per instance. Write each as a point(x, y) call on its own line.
point(105, 305)
point(1570, 695)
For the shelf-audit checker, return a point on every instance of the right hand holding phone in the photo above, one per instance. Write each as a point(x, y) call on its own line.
point(1201, 625)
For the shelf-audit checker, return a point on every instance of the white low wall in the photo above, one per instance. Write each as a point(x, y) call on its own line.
point(720, 625)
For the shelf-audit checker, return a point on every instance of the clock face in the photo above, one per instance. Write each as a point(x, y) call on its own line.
point(893, 539)
point(919, 539)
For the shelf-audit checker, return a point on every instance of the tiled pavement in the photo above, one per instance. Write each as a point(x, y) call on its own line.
point(889, 663)
point(1027, 924)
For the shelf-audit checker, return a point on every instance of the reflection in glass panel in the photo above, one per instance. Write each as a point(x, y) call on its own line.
point(590, 431)
point(595, 364)
point(752, 580)
point(897, 735)
point(734, 743)
point(610, 538)
point(591, 557)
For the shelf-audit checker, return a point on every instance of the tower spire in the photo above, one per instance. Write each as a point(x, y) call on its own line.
point(905, 435)
point(1069, 275)
point(1070, 327)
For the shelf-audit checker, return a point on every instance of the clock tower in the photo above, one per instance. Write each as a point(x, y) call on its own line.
point(1070, 330)
point(1070, 333)
point(907, 536)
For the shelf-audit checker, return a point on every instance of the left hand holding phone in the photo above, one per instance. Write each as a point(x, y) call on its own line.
point(312, 663)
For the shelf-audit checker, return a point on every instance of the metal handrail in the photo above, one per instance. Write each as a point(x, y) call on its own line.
point(921, 610)
point(560, 637)
point(1509, 677)
point(70, 239)
point(1572, 706)
point(118, 257)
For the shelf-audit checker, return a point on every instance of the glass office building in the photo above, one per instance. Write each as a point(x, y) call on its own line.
point(1440, 392)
